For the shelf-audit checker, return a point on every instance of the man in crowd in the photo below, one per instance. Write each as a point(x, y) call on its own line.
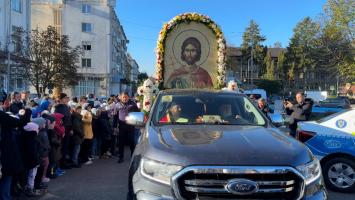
point(299, 112)
point(126, 132)
point(16, 104)
point(64, 109)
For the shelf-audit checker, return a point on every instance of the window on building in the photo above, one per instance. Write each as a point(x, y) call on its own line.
point(16, 38)
point(86, 62)
point(19, 83)
point(86, 27)
point(87, 47)
point(86, 86)
point(86, 8)
point(16, 5)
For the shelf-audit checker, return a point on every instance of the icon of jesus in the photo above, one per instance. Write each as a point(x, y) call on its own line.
point(190, 75)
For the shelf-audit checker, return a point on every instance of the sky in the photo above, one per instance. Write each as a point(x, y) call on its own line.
point(143, 19)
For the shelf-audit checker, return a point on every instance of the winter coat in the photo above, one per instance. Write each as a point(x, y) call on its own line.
point(96, 127)
point(31, 149)
point(105, 126)
point(64, 110)
point(55, 143)
point(11, 161)
point(122, 111)
point(15, 107)
point(87, 125)
point(299, 113)
point(44, 143)
point(59, 128)
point(78, 133)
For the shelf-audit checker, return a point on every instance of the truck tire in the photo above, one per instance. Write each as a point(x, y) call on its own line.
point(339, 174)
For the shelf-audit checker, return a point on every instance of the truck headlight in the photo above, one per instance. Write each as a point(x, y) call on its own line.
point(311, 171)
point(158, 171)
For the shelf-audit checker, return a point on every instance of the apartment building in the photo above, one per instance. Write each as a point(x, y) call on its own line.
point(14, 14)
point(93, 25)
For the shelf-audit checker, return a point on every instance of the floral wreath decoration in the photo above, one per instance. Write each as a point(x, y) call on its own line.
point(187, 18)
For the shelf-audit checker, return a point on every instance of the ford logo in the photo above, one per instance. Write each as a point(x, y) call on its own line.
point(242, 186)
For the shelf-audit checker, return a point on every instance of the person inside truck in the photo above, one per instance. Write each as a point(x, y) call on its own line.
point(173, 115)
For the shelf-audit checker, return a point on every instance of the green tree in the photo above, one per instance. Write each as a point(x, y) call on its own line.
point(270, 67)
point(142, 76)
point(300, 52)
point(341, 14)
point(281, 73)
point(336, 44)
point(252, 40)
point(271, 86)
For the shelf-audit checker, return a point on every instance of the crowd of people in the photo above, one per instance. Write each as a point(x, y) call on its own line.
point(41, 138)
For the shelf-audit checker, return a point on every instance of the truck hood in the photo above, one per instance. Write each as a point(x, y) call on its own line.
point(224, 145)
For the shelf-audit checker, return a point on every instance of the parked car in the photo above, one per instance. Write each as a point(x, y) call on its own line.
point(217, 145)
point(334, 103)
point(332, 141)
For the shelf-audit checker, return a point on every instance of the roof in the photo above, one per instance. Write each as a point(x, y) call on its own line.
point(197, 91)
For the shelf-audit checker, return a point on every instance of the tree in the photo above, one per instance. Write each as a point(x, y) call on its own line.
point(252, 40)
point(270, 67)
point(300, 52)
point(277, 44)
point(142, 76)
point(281, 73)
point(341, 14)
point(50, 61)
point(271, 86)
point(337, 42)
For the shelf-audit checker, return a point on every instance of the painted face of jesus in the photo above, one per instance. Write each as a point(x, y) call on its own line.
point(190, 53)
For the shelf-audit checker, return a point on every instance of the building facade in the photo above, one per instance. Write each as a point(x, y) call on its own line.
point(93, 25)
point(14, 15)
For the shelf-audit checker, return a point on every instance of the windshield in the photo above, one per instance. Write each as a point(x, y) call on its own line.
point(206, 108)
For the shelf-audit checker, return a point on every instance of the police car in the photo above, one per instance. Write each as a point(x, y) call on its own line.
point(332, 140)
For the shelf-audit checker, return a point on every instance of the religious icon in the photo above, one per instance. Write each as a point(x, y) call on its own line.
point(190, 74)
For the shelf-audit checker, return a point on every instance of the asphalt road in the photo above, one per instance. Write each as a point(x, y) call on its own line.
point(106, 180)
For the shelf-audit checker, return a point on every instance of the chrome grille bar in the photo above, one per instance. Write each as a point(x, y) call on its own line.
point(225, 191)
point(212, 182)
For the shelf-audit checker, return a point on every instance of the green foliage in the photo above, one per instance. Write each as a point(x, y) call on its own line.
point(271, 86)
point(281, 66)
point(252, 40)
point(270, 67)
point(142, 76)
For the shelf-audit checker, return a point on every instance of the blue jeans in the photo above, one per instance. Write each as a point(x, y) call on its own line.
point(5, 185)
point(75, 155)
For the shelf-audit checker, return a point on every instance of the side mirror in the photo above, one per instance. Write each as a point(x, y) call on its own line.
point(277, 119)
point(135, 119)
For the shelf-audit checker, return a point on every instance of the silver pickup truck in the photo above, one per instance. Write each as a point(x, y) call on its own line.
point(205, 144)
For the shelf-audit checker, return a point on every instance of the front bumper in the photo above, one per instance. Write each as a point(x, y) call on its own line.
point(146, 189)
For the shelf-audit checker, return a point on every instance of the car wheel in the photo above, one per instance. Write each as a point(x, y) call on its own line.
point(339, 174)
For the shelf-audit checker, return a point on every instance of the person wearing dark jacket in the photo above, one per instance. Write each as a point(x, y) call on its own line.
point(263, 107)
point(299, 112)
point(126, 131)
point(16, 103)
point(106, 131)
point(64, 109)
point(31, 155)
point(78, 134)
point(10, 154)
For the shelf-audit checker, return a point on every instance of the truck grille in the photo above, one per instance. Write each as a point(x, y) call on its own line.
point(205, 182)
